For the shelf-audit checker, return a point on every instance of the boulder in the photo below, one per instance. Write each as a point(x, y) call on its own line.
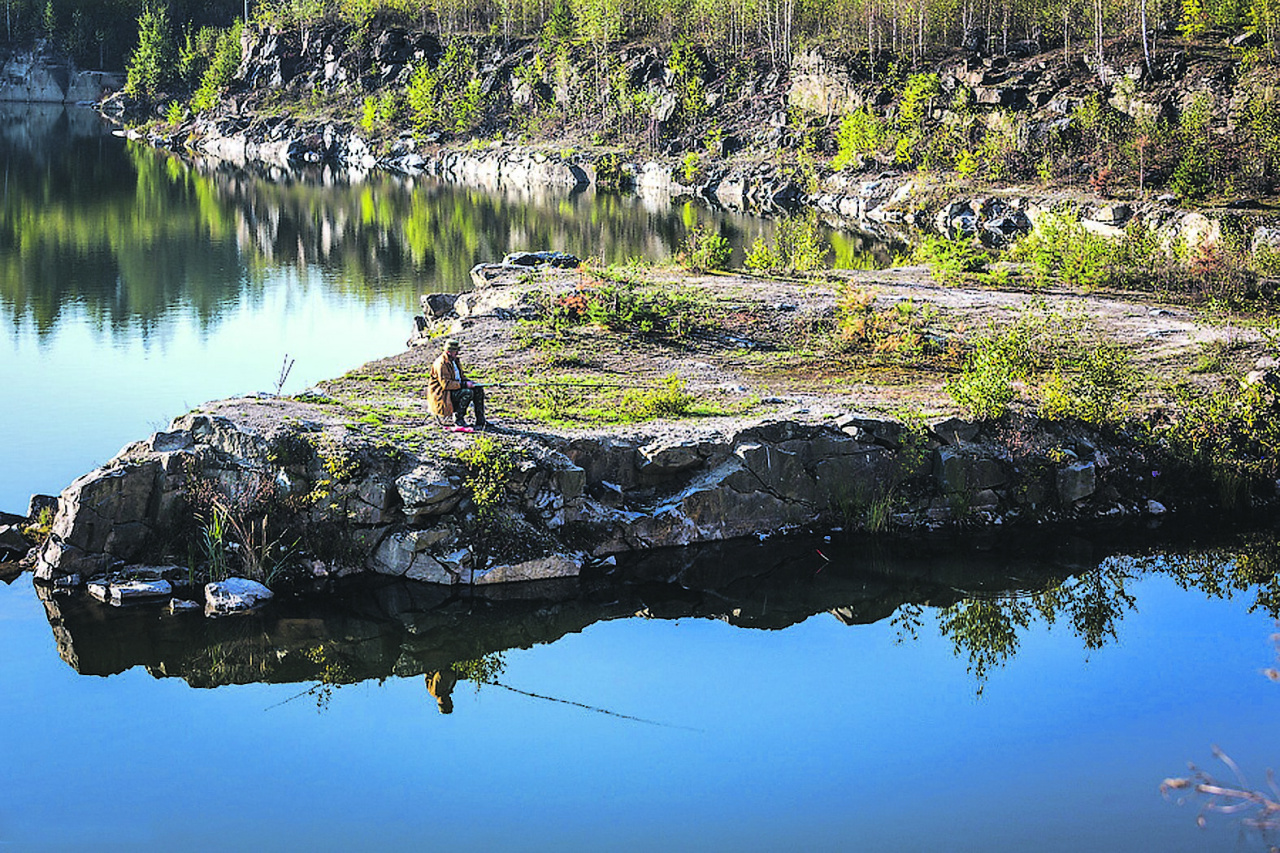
point(1077, 481)
point(669, 457)
point(234, 595)
point(542, 568)
point(428, 490)
point(536, 259)
point(139, 590)
point(12, 543)
point(437, 305)
point(397, 555)
point(40, 503)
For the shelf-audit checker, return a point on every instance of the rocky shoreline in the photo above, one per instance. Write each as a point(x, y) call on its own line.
point(334, 497)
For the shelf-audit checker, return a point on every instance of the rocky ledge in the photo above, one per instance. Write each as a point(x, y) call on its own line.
point(354, 476)
point(569, 500)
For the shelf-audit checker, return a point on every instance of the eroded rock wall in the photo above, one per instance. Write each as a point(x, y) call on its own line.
point(570, 500)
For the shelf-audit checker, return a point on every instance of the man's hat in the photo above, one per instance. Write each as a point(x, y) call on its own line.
point(452, 345)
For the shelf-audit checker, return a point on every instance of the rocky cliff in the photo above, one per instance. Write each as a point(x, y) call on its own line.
point(41, 74)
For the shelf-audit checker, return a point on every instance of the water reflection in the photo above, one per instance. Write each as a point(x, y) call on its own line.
point(132, 234)
point(985, 602)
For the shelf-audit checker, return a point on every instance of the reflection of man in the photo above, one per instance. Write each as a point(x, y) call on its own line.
point(440, 685)
point(449, 391)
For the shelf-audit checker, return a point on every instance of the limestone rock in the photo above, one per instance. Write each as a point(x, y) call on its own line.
point(670, 457)
point(542, 568)
point(437, 305)
point(234, 595)
point(39, 503)
point(428, 490)
point(396, 556)
point(12, 543)
point(1077, 481)
point(139, 590)
point(536, 259)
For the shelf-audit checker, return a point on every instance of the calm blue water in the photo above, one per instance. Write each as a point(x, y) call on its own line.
point(132, 288)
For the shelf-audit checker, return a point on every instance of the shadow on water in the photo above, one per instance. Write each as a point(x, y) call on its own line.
point(983, 600)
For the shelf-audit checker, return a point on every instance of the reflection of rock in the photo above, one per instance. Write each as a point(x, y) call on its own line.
point(380, 627)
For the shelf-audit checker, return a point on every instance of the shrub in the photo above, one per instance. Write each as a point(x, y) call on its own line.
point(1095, 385)
point(704, 250)
point(860, 132)
point(691, 170)
point(761, 257)
point(1061, 247)
point(489, 464)
point(1086, 377)
point(985, 386)
point(950, 260)
point(800, 247)
point(222, 69)
point(448, 96)
point(670, 400)
point(900, 330)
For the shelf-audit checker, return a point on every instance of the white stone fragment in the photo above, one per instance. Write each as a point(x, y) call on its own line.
point(233, 595)
point(139, 590)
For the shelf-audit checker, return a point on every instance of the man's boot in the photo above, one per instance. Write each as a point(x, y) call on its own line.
point(478, 402)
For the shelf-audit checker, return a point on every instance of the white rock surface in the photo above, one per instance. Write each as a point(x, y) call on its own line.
point(234, 595)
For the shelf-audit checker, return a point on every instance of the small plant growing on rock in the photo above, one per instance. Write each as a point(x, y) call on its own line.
point(38, 531)
point(243, 528)
point(490, 463)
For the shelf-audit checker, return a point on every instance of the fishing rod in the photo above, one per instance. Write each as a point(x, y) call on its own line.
point(569, 385)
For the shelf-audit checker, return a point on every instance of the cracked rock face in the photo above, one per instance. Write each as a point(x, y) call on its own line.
point(413, 517)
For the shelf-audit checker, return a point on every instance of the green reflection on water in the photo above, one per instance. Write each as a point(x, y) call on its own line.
point(131, 233)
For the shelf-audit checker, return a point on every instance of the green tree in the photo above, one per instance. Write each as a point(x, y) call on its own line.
point(153, 60)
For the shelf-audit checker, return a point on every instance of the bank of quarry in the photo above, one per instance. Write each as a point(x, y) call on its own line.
point(639, 408)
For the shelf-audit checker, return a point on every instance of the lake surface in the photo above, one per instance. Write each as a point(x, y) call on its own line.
point(804, 694)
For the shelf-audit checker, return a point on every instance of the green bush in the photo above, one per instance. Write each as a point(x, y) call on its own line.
point(447, 97)
point(860, 132)
point(797, 247)
point(670, 400)
point(985, 386)
point(900, 331)
point(1061, 248)
point(704, 250)
point(950, 261)
point(800, 246)
point(490, 463)
point(1085, 377)
point(761, 257)
point(1096, 385)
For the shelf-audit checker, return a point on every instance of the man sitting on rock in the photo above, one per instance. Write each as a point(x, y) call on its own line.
point(449, 391)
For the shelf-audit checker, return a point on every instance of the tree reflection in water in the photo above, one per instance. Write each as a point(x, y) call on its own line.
point(128, 234)
point(985, 603)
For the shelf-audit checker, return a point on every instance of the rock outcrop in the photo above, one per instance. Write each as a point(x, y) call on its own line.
point(43, 75)
point(569, 500)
